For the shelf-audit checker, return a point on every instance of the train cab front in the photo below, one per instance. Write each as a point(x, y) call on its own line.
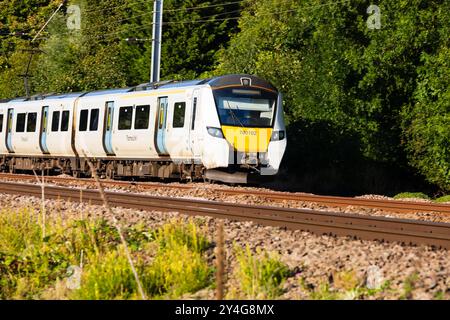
point(252, 124)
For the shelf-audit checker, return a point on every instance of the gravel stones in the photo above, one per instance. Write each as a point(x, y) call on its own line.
point(313, 260)
point(205, 191)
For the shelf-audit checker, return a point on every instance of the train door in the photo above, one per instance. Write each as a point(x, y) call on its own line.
point(9, 130)
point(194, 127)
point(108, 128)
point(43, 132)
point(161, 128)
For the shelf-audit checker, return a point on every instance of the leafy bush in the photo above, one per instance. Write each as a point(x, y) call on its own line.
point(443, 199)
point(411, 195)
point(427, 122)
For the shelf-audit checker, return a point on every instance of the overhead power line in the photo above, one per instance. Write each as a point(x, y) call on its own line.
point(48, 21)
point(200, 7)
point(113, 36)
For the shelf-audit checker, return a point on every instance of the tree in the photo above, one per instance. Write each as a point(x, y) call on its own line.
point(427, 119)
point(18, 21)
point(336, 72)
point(193, 31)
point(98, 57)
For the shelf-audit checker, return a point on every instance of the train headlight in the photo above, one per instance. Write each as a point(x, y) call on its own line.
point(215, 132)
point(278, 135)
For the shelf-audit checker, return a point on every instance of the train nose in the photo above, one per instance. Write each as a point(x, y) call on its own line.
point(248, 140)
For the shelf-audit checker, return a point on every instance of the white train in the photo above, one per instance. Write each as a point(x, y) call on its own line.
point(222, 128)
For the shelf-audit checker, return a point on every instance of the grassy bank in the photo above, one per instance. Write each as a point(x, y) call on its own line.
point(84, 259)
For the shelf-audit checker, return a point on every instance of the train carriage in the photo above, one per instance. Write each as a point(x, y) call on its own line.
point(223, 128)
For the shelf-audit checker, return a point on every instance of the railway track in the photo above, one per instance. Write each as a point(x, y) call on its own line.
point(386, 205)
point(413, 232)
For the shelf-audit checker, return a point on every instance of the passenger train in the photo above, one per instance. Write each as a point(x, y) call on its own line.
point(225, 128)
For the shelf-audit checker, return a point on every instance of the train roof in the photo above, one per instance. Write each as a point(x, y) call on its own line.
point(215, 82)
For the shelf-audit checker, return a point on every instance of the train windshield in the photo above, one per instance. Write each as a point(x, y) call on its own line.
point(245, 107)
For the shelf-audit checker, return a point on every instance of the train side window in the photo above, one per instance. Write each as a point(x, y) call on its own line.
point(31, 122)
point(125, 118)
point(1, 123)
point(65, 121)
point(83, 120)
point(55, 120)
point(20, 125)
point(93, 125)
point(142, 117)
point(179, 112)
point(194, 114)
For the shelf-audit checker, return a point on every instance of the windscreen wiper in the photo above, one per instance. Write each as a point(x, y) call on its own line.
point(234, 116)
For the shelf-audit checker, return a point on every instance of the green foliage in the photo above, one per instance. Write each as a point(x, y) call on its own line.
point(170, 260)
point(427, 121)
point(176, 270)
point(346, 286)
point(408, 195)
point(97, 56)
point(323, 292)
point(260, 276)
point(29, 263)
point(178, 233)
point(333, 70)
point(443, 199)
point(179, 266)
point(440, 295)
point(408, 285)
point(108, 277)
point(380, 98)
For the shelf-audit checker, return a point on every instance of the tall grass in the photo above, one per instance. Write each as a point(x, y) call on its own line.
point(260, 275)
point(108, 277)
point(28, 262)
point(178, 266)
point(170, 260)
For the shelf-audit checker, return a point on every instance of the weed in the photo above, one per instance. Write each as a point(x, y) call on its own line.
point(408, 285)
point(345, 280)
point(413, 195)
point(178, 266)
point(346, 286)
point(177, 232)
point(33, 268)
point(324, 292)
point(108, 277)
point(443, 199)
point(439, 295)
point(260, 275)
point(176, 270)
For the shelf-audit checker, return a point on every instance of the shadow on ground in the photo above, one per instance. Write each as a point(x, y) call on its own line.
point(324, 160)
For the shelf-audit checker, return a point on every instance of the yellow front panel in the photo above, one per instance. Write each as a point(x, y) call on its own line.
point(248, 139)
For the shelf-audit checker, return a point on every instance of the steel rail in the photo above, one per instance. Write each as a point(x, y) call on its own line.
point(386, 205)
point(358, 226)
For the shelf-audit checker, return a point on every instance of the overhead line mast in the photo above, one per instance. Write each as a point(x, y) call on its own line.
point(157, 37)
